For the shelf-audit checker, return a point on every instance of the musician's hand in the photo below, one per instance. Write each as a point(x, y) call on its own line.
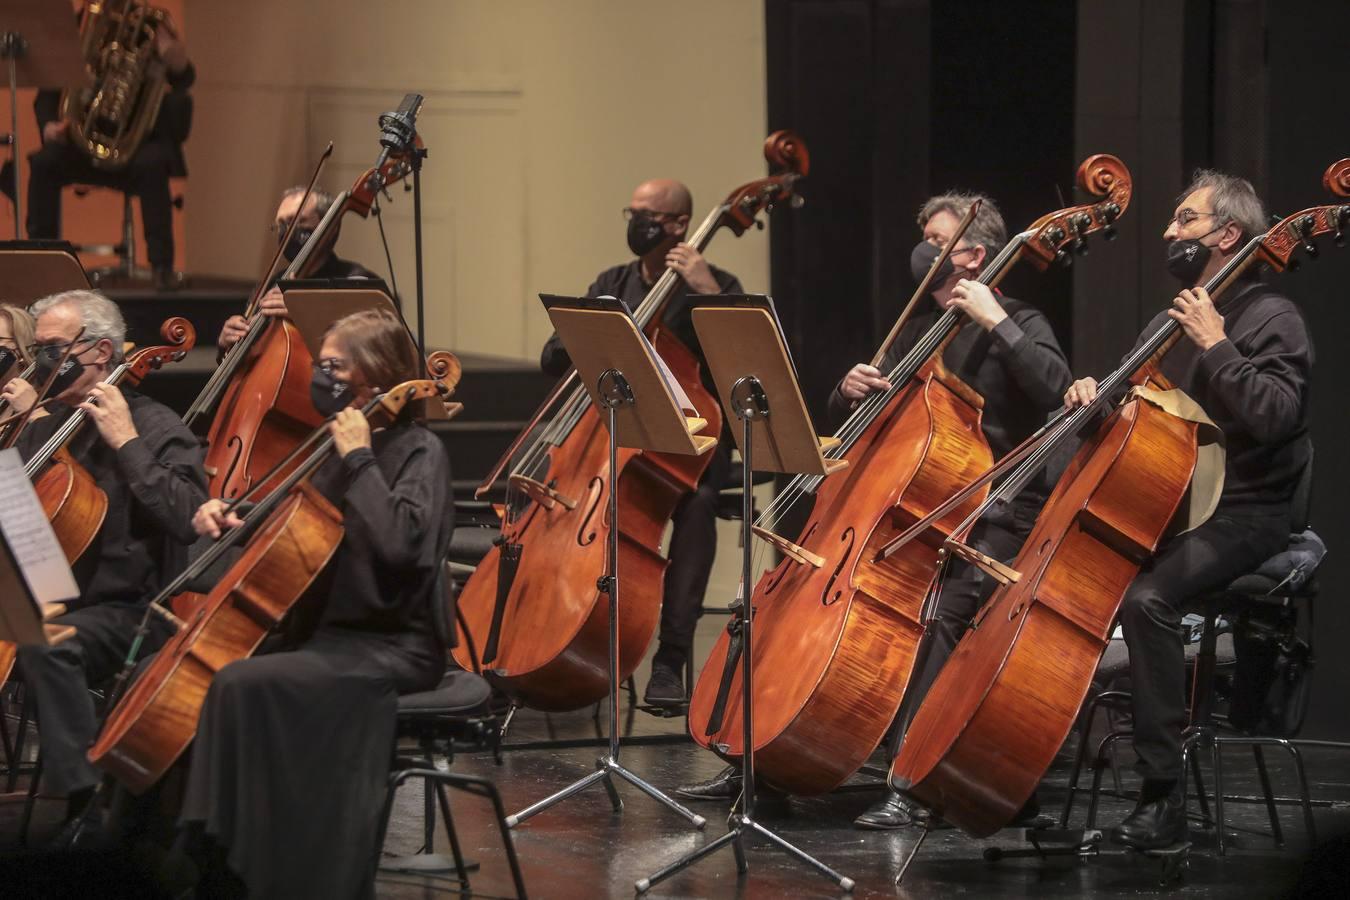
point(693, 268)
point(1080, 393)
point(19, 394)
point(273, 303)
point(978, 302)
point(170, 46)
point(109, 410)
point(56, 132)
point(862, 380)
point(213, 518)
point(350, 430)
point(235, 328)
point(1195, 311)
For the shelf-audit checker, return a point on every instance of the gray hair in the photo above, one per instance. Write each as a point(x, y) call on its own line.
point(986, 230)
point(1232, 199)
point(323, 200)
point(100, 316)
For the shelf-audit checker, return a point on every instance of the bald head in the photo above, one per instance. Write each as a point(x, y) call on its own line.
point(663, 195)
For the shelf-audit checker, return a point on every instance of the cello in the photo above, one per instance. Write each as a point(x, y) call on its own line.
point(840, 628)
point(297, 533)
point(75, 505)
point(536, 598)
point(1005, 701)
point(261, 386)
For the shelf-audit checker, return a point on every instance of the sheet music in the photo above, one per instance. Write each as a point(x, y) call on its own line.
point(30, 536)
point(672, 384)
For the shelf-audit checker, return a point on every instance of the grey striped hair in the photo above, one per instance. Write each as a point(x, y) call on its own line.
point(1233, 200)
point(987, 230)
point(322, 199)
point(100, 316)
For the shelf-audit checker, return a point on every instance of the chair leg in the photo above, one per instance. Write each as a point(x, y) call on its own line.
point(27, 818)
point(1304, 793)
point(1275, 830)
point(1188, 751)
point(1079, 757)
point(19, 737)
point(455, 850)
point(1216, 753)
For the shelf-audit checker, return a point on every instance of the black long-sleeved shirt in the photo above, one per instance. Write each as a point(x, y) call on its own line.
point(398, 514)
point(154, 484)
point(1254, 385)
point(1017, 367)
point(626, 283)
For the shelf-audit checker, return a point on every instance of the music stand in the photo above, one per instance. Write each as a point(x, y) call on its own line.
point(750, 364)
point(30, 270)
point(39, 43)
point(313, 305)
point(646, 411)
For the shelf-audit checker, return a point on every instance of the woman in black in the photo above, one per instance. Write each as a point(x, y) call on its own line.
point(292, 752)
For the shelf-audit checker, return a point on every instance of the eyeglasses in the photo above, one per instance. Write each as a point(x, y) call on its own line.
point(280, 226)
point(629, 212)
point(1186, 216)
point(331, 365)
point(55, 351)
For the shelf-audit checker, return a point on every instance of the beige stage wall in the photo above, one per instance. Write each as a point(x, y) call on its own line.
point(540, 117)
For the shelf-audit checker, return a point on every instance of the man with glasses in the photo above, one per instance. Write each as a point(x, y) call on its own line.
point(1007, 352)
point(1248, 368)
point(327, 263)
point(150, 467)
point(658, 223)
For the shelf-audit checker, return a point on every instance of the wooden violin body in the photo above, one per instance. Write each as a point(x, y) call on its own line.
point(157, 718)
point(554, 640)
point(840, 639)
point(1006, 699)
point(264, 413)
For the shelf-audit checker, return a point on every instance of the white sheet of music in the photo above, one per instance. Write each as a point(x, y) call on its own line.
point(30, 536)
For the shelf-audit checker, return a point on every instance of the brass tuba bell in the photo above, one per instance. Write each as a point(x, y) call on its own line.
point(112, 115)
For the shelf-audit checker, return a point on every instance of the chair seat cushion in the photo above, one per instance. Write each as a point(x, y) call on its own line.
point(459, 693)
point(469, 545)
point(1287, 572)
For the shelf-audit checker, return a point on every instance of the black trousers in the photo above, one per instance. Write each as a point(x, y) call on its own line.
point(1190, 565)
point(964, 591)
point(58, 164)
point(693, 547)
point(60, 677)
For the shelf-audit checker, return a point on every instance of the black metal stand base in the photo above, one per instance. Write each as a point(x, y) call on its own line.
point(741, 828)
point(607, 768)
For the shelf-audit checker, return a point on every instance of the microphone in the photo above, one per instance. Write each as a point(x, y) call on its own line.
point(397, 131)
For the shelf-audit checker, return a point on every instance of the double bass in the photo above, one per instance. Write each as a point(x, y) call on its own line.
point(837, 627)
point(260, 391)
point(292, 532)
point(1005, 701)
point(533, 604)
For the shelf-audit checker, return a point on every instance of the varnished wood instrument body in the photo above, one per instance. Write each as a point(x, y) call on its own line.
point(1006, 699)
point(837, 643)
point(554, 644)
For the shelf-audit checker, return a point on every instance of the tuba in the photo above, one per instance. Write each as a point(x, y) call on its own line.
point(114, 112)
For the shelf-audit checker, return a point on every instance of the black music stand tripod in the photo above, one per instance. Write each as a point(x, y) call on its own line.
point(749, 361)
point(612, 354)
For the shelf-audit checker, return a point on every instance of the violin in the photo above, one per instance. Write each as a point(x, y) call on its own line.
point(295, 532)
point(1005, 701)
point(260, 391)
point(837, 628)
point(534, 605)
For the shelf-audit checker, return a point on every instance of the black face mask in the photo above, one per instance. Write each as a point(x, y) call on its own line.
point(922, 259)
point(68, 374)
point(299, 238)
point(7, 358)
point(1187, 259)
point(644, 233)
point(329, 395)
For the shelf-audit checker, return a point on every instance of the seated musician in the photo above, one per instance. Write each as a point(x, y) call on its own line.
point(16, 336)
point(59, 162)
point(292, 753)
point(150, 466)
point(329, 264)
point(658, 223)
point(1006, 350)
point(1248, 369)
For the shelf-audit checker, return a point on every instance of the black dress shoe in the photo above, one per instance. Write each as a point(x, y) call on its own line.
point(892, 812)
point(725, 785)
point(665, 687)
point(1153, 825)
